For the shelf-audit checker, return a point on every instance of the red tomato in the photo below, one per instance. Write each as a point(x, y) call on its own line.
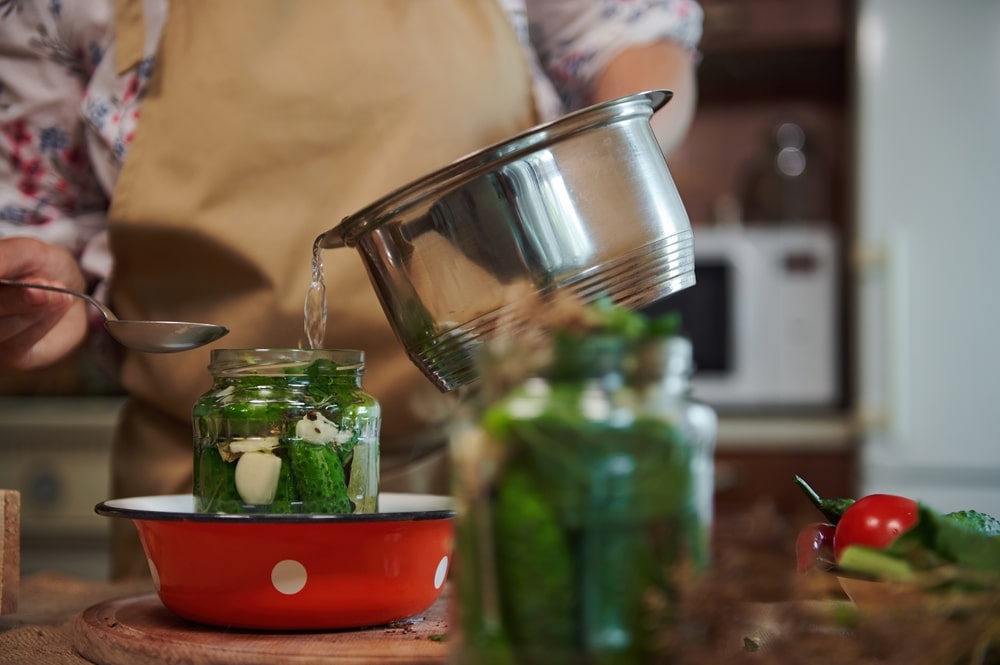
point(874, 521)
point(814, 546)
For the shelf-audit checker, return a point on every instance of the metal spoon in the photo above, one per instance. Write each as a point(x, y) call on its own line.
point(147, 336)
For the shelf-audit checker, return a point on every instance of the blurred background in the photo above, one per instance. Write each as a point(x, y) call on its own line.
point(841, 179)
point(841, 183)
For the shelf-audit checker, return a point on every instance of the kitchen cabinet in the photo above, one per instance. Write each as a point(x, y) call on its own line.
point(56, 453)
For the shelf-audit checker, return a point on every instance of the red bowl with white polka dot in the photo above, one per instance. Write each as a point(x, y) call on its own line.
point(294, 572)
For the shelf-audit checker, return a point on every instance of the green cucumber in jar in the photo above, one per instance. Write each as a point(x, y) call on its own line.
point(285, 497)
point(338, 499)
point(319, 478)
point(535, 567)
point(616, 572)
point(217, 483)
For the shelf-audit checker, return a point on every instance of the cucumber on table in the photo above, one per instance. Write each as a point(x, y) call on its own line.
point(976, 521)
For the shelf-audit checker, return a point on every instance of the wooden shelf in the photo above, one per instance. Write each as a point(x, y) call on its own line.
point(818, 74)
point(749, 26)
point(774, 49)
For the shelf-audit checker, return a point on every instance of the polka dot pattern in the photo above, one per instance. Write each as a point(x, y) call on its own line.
point(154, 573)
point(288, 577)
point(441, 574)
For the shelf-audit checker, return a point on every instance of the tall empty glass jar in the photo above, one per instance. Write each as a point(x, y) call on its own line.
point(286, 431)
point(583, 485)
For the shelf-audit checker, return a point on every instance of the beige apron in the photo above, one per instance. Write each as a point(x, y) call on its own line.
point(266, 122)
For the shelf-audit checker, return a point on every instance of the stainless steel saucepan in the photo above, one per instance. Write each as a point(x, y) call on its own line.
point(584, 203)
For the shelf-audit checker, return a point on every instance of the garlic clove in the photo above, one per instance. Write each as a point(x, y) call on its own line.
point(257, 477)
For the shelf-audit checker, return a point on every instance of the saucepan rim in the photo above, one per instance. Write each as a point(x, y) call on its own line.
point(180, 508)
point(352, 227)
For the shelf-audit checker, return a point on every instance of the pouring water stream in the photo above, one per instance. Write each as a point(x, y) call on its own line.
point(314, 308)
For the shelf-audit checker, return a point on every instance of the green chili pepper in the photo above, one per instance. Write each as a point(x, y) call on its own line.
point(832, 509)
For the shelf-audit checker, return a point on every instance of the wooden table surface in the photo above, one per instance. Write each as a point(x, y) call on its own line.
point(64, 620)
point(753, 608)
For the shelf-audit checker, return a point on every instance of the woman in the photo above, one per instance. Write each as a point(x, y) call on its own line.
point(227, 136)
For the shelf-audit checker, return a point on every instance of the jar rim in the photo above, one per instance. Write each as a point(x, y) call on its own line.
point(223, 360)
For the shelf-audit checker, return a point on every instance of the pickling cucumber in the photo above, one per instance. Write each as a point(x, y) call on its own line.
point(217, 481)
point(285, 496)
point(319, 478)
point(534, 565)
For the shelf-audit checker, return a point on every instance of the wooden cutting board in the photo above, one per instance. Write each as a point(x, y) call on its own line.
point(140, 631)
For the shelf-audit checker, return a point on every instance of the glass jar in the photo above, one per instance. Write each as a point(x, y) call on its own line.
point(583, 492)
point(286, 431)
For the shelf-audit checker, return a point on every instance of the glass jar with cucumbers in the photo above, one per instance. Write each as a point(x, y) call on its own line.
point(583, 484)
point(286, 431)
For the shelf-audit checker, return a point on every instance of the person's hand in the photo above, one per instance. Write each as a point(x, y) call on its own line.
point(39, 328)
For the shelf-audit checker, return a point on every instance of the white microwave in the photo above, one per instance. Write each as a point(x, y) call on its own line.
point(764, 317)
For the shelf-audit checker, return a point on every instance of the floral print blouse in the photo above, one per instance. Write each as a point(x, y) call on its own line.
point(67, 118)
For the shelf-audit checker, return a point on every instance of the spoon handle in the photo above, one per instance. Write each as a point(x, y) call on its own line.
point(108, 314)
